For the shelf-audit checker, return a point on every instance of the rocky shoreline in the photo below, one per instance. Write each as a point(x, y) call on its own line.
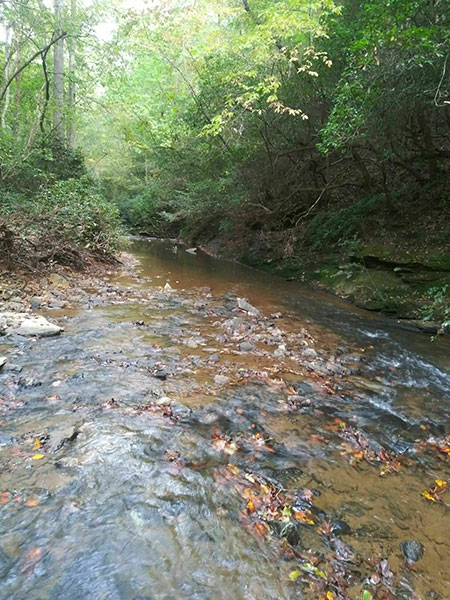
point(411, 290)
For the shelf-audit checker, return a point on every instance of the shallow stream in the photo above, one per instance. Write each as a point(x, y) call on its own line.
point(174, 446)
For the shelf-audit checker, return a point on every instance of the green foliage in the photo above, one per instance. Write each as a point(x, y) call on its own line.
point(80, 212)
point(395, 71)
point(341, 225)
point(64, 222)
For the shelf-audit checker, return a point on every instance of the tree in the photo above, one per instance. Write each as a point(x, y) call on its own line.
point(58, 74)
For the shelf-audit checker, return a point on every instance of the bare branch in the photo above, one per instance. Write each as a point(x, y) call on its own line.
point(40, 52)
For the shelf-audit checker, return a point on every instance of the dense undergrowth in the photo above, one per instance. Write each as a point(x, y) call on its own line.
point(53, 211)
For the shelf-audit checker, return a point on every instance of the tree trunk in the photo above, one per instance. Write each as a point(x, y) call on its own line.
point(71, 83)
point(58, 75)
point(18, 95)
point(6, 70)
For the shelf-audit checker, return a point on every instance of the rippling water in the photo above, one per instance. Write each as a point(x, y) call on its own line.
point(133, 503)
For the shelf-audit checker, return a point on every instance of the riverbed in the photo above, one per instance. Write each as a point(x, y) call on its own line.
point(203, 430)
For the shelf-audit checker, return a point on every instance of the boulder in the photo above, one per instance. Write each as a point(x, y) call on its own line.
point(27, 325)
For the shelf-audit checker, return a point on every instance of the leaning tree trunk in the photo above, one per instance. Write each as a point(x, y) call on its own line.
point(58, 75)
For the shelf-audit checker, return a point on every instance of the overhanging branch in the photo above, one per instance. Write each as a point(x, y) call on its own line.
point(41, 52)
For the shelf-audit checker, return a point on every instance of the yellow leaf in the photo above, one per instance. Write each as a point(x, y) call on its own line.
point(233, 468)
point(37, 444)
point(38, 456)
point(441, 483)
point(294, 575)
point(330, 596)
point(428, 496)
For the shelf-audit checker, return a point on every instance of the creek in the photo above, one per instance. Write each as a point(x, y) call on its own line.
point(172, 445)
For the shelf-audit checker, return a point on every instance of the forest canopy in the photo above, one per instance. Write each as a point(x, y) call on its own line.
point(305, 125)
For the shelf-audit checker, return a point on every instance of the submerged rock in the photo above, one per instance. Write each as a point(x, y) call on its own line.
point(412, 550)
point(27, 325)
point(340, 528)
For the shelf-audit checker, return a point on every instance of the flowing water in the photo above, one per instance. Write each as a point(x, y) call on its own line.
point(171, 446)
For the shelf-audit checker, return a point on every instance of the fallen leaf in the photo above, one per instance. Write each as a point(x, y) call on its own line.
point(38, 456)
point(32, 502)
point(234, 469)
point(261, 528)
point(5, 497)
point(304, 516)
point(294, 575)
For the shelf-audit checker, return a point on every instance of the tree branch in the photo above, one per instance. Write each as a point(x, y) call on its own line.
point(40, 52)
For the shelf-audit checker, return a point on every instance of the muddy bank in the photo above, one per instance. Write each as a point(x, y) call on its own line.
point(410, 286)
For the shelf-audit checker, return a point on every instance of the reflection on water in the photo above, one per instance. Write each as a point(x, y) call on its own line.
point(131, 431)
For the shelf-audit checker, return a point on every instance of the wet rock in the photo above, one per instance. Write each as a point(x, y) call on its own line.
point(370, 386)
point(214, 358)
point(3, 360)
point(290, 531)
point(160, 374)
point(244, 305)
point(61, 436)
point(55, 304)
point(191, 250)
point(221, 380)
point(303, 388)
point(168, 288)
point(412, 550)
point(309, 353)
point(246, 347)
point(340, 528)
point(27, 325)
point(342, 550)
point(35, 303)
point(405, 590)
point(163, 401)
point(58, 294)
point(280, 352)
point(233, 325)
